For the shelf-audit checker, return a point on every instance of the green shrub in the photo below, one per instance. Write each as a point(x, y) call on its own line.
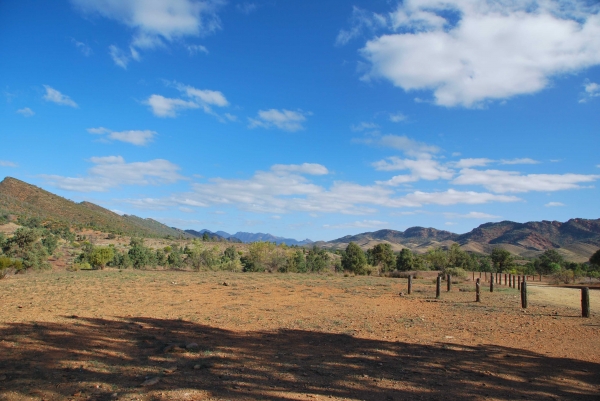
point(457, 273)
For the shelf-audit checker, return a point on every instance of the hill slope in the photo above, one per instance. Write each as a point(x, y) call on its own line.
point(22, 199)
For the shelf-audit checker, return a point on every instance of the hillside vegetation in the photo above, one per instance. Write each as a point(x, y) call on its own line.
point(20, 199)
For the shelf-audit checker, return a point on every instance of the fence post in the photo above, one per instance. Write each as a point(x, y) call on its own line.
point(524, 295)
point(473, 276)
point(449, 283)
point(477, 291)
point(510, 280)
point(585, 302)
point(409, 284)
point(505, 279)
point(519, 282)
point(492, 285)
point(438, 285)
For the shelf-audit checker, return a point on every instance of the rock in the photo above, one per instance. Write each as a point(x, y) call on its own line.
point(173, 348)
point(401, 294)
point(192, 347)
point(197, 367)
point(225, 283)
point(150, 382)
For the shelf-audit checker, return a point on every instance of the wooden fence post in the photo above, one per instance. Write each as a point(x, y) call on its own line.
point(510, 280)
point(409, 284)
point(524, 294)
point(449, 283)
point(585, 302)
point(519, 282)
point(438, 285)
point(477, 291)
point(505, 279)
point(492, 285)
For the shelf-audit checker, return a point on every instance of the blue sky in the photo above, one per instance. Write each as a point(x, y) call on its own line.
point(305, 118)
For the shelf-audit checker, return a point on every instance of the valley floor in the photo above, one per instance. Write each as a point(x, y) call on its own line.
point(152, 335)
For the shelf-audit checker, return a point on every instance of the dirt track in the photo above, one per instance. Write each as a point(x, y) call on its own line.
point(100, 335)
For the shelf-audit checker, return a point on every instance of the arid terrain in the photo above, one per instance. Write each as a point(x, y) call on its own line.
point(158, 335)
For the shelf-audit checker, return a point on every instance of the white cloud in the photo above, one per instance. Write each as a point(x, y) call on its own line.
point(54, 96)
point(473, 162)
point(26, 112)
point(155, 23)
point(195, 49)
point(85, 49)
point(286, 120)
point(167, 107)
point(512, 181)
point(135, 137)
point(402, 143)
point(112, 171)
point(592, 90)
point(6, 163)
point(554, 204)
point(285, 189)
point(525, 160)
point(470, 52)
point(246, 8)
point(397, 117)
point(421, 169)
point(471, 215)
point(358, 224)
point(196, 98)
point(362, 21)
point(119, 57)
point(364, 126)
point(304, 168)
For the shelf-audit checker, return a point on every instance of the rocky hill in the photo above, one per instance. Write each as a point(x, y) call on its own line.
point(576, 239)
point(18, 198)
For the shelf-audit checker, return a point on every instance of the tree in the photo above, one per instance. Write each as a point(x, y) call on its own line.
point(501, 259)
point(316, 259)
point(205, 237)
point(25, 245)
point(405, 260)
point(50, 243)
point(354, 259)
point(437, 258)
point(383, 256)
point(139, 253)
point(548, 261)
point(100, 256)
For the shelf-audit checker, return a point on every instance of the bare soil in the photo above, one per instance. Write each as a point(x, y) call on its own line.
point(130, 335)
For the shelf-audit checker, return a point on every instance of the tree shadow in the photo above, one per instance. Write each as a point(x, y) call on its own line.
point(107, 359)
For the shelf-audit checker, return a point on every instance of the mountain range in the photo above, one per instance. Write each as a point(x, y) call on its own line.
point(245, 237)
point(576, 239)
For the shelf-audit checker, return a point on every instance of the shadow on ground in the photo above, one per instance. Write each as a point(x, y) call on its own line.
point(104, 359)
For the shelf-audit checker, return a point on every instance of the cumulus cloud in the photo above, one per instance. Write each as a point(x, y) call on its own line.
point(6, 163)
point(54, 96)
point(26, 112)
point(358, 224)
point(120, 57)
point(472, 162)
point(362, 21)
point(403, 143)
point(155, 23)
point(195, 49)
point(285, 188)
point(363, 126)
point(286, 120)
point(421, 169)
point(83, 48)
point(525, 160)
point(112, 171)
point(512, 181)
point(194, 98)
point(168, 107)
point(554, 204)
point(135, 137)
point(470, 52)
point(398, 117)
point(471, 215)
point(592, 90)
